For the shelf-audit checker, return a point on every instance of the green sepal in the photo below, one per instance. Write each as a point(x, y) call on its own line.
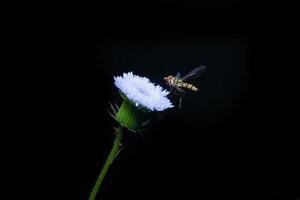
point(131, 116)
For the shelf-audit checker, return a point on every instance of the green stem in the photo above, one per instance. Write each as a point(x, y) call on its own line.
point(112, 155)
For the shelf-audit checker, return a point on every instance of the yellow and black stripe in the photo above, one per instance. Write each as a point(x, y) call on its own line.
point(187, 85)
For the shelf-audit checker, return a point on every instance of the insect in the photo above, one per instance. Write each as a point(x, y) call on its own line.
point(179, 83)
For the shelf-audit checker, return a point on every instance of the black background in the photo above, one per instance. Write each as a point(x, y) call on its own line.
point(234, 139)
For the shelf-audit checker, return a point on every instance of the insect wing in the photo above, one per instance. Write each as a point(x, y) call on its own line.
point(177, 76)
point(174, 83)
point(176, 79)
point(194, 73)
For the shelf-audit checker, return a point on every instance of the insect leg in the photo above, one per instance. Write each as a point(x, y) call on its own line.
point(180, 90)
point(176, 90)
point(181, 96)
point(180, 102)
point(171, 89)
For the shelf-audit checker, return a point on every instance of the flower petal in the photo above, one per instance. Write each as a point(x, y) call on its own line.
point(143, 92)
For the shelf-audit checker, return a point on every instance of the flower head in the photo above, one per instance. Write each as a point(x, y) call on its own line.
point(142, 92)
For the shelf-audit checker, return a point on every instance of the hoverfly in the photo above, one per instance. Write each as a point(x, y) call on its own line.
point(179, 83)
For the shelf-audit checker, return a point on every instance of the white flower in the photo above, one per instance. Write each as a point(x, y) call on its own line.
point(143, 92)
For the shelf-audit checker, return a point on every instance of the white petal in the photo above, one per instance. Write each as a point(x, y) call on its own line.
point(142, 92)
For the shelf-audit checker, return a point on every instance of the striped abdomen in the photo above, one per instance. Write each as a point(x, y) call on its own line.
point(177, 82)
point(187, 85)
